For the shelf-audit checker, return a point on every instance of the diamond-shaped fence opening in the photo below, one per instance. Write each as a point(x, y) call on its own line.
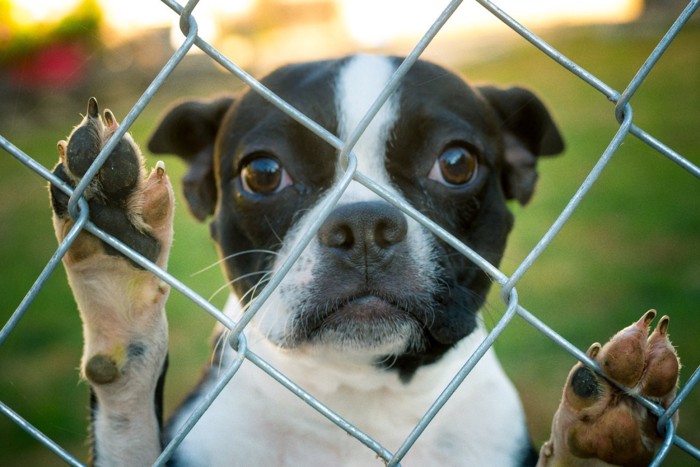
point(621, 108)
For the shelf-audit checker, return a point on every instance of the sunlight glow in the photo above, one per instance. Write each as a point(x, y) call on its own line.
point(28, 12)
point(391, 18)
point(120, 14)
point(370, 22)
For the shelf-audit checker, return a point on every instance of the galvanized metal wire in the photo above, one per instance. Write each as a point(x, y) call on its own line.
point(622, 109)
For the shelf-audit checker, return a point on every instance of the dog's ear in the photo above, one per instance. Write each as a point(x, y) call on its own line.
point(188, 130)
point(529, 132)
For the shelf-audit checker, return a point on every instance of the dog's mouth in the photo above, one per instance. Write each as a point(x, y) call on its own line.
point(364, 321)
point(367, 309)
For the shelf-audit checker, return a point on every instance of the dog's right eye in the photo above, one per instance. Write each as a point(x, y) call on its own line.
point(264, 176)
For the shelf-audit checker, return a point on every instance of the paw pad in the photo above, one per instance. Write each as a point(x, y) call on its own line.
point(101, 369)
point(120, 173)
point(85, 141)
point(585, 384)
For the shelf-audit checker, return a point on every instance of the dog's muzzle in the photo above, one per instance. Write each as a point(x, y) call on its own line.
point(367, 290)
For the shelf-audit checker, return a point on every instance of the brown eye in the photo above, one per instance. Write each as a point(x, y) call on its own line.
point(264, 176)
point(455, 167)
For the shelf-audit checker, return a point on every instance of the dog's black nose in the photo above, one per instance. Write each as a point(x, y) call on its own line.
point(365, 231)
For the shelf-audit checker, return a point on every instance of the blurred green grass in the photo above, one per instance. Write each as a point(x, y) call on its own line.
point(634, 243)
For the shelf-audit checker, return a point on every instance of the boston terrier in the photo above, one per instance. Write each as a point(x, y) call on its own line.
point(377, 314)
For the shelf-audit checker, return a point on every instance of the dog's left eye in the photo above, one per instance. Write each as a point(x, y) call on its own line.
point(455, 167)
point(264, 176)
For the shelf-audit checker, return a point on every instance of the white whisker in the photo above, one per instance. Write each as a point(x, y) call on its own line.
point(234, 255)
point(222, 339)
point(252, 291)
point(244, 276)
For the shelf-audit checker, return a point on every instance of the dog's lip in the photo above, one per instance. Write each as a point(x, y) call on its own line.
point(367, 307)
point(360, 308)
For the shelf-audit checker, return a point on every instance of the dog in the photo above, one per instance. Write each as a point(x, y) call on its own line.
point(376, 315)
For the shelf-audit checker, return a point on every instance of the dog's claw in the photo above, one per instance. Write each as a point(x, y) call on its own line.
point(62, 145)
point(93, 110)
point(648, 317)
point(662, 326)
point(593, 350)
point(110, 119)
point(595, 419)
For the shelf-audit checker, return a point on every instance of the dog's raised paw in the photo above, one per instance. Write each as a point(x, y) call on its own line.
point(598, 421)
point(122, 199)
point(120, 302)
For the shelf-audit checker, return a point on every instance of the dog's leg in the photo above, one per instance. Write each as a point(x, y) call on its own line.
point(596, 423)
point(121, 305)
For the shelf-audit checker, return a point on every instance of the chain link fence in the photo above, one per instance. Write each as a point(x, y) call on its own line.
point(188, 24)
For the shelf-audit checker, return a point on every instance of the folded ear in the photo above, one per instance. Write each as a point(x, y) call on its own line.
point(188, 130)
point(529, 132)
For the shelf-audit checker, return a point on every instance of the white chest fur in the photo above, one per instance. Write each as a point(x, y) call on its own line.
point(255, 421)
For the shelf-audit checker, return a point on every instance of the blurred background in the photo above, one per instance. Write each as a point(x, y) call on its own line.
point(634, 244)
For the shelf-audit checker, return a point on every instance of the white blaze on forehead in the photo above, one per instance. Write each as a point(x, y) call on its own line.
point(359, 84)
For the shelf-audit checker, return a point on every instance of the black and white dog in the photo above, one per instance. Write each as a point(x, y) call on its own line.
point(376, 316)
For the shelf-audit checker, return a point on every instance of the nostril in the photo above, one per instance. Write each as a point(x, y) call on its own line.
point(390, 231)
point(337, 235)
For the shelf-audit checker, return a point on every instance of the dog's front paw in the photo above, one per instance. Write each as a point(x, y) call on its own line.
point(597, 421)
point(121, 304)
point(134, 208)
